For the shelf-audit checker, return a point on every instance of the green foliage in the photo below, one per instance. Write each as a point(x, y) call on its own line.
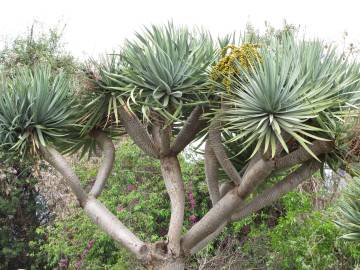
point(296, 85)
point(38, 46)
point(349, 211)
point(136, 193)
point(307, 239)
point(287, 235)
point(21, 212)
point(35, 108)
point(100, 101)
point(164, 69)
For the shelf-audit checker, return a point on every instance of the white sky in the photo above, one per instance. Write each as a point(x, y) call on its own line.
point(93, 27)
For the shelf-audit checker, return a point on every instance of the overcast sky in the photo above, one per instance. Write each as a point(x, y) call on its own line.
point(93, 27)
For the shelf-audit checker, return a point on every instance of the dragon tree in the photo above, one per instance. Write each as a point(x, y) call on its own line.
point(257, 108)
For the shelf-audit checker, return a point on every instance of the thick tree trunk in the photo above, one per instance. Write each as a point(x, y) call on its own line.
point(171, 172)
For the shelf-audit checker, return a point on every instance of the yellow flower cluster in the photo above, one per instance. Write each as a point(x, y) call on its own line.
point(246, 55)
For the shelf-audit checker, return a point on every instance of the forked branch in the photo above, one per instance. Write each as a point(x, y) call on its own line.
point(108, 153)
point(301, 155)
point(211, 173)
point(266, 198)
point(220, 153)
point(192, 126)
point(216, 216)
point(137, 132)
point(257, 172)
point(272, 194)
point(98, 213)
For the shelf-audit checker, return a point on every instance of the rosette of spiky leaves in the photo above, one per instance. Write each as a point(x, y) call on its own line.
point(349, 211)
point(167, 67)
point(345, 131)
point(286, 92)
point(100, 97)
point(36, 108)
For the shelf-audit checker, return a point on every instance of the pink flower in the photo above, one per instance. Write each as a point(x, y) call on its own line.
point(193, 219)
point(119, 208)
point(130, 187)
point(83, 254)
point(64, 263)
point(192, 200)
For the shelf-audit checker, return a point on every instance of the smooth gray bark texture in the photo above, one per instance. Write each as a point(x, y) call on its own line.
point(171, 172)
point(108, 153)
point(110, 224)
point(211, 174)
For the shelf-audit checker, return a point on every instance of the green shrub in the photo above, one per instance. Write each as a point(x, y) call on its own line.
point(21, 212)
point(308, 239)
point(289, 235)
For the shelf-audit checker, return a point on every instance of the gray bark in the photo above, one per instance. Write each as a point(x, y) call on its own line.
point(108, 153)
point(171, 172)
point(98, 213)
point(264, 199)
point(301, 155)
point(278, 190)
point(110, 224)
point(191, 127)
point(55, 159)
point(137, 132)
point(211, 173)
point(212, 220)
point(220, 153)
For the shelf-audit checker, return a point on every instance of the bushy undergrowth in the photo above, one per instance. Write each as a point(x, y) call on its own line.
point(21, 212)
point(308, 239)
point(287, 235)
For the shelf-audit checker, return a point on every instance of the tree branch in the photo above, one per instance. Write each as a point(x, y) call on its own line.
point(55, 159)
point(274, 193)
point(264, 199)
point(217, 215)
point(191, 127)
point(220, 153)
point(108, 153)
point(301, 155)
point(110, 224)
point(98, 213)
point(257, 172)
point(137, 132)
point(225, 188)
point(211, 173)
point(170, 169)
point(203, 243)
